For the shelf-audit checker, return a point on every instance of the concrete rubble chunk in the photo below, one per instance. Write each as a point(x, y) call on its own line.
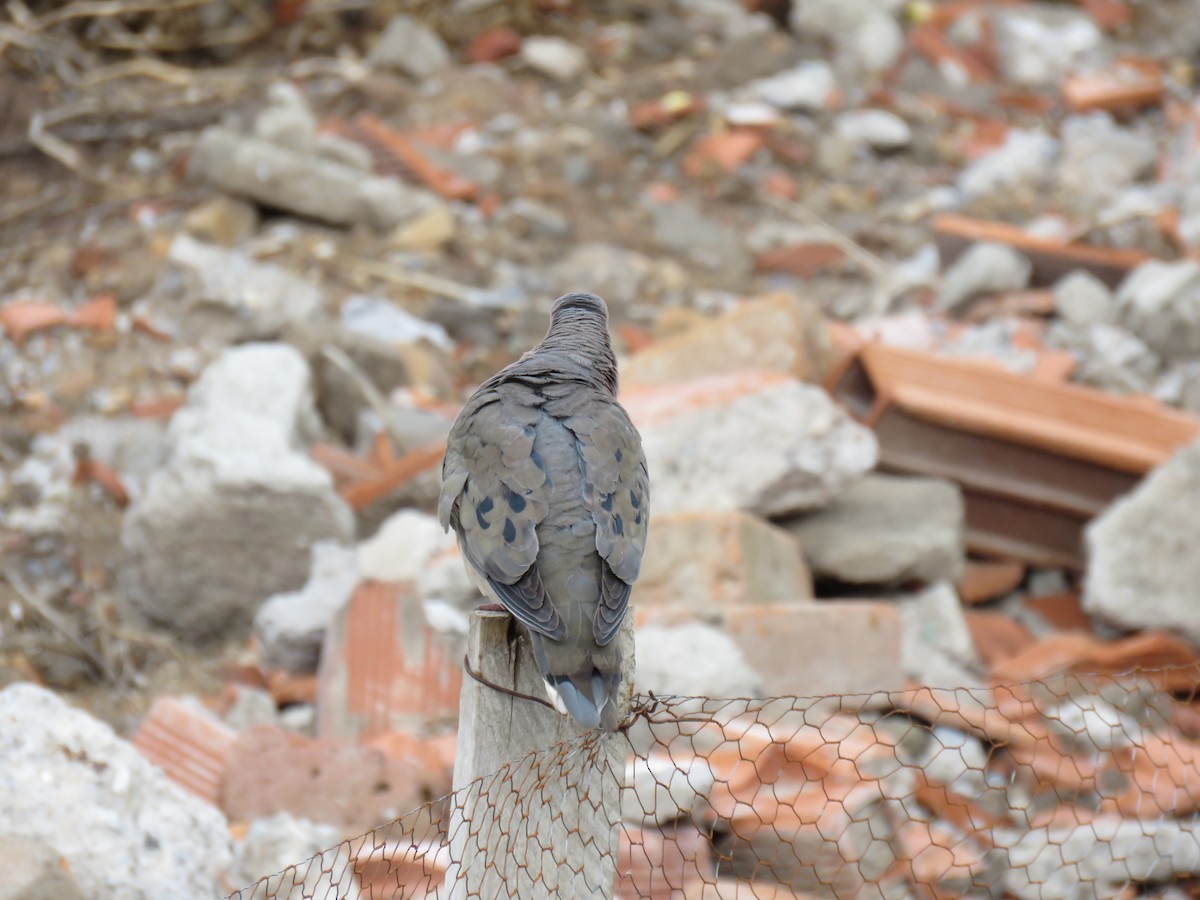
point(403, 547)
point(291, 626)
point(229, 520)
point(1160, 303)
point(874, 128)
point(621, 276)
point(34, 870)
point(125, 830)
point(228, 294)
point(709, 560)
point(814, 649)
point(1100, 159)
point(410, 46)
point(780, 332)
point(1142, 569)
point(1023, 161)
point(937, 649)
point(693, 659)
point(554, 57)
point(759, 442)
point(984, 268)
point(273, 844)
point(1110, 357)
point(887, 530)
point(303, 183)
point(1081, 298)
point(1040, 44)
point(808, 87)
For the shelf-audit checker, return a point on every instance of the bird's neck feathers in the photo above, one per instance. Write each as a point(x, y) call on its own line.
point(579, 346)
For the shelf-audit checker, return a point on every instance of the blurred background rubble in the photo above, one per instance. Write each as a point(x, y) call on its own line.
point(907, 299)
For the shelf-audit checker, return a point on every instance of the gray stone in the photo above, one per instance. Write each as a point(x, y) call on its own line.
point(287, 119)
point(383, 320)
point(886, 530)
point(1179, 385)
point(275, 853)
point(936, 646)
point(303, 183)
point(1024, 160)
point(1160, 303)
point(1040, 44)
point(730, 20)
point(683, 229)
point(410, 46)
point(1109, 356)
point(1099, 859)
point(623, 277)
point(291, 626)
point(1100, 159)
point(693, 659)
point(251, 706)
point(808, 87)
point(785, 447)
point(229, 520)
point(1142, 565)
point(836, 18)
point(555, 57)
point(875, 128)
point(228, 296)
point(875, 44)
point(983, 268)
point(1081, 298)
point(133, 447)
point(126, 831)
point(34, 870)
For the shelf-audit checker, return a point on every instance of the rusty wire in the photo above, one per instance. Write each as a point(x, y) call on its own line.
point(1074, 786)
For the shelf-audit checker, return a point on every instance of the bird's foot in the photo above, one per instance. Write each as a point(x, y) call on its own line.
point(492, 607)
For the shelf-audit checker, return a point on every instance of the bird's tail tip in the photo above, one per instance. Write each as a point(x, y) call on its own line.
point(588, 698)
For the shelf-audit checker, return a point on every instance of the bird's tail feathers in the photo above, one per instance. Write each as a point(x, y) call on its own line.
point(589, 697)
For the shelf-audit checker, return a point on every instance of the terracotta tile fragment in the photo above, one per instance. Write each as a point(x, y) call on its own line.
point(1110, 15)
point(672, 107)
point(722, 153)
point(1064, 611)
point(997, 637)
point(1075, 652)
point(929, 41)
point(801, 260)
point(1123, 88)
point(97, 314)
point(399, 870)
point(662, 863)
point(398, 153)
point(190, 746)
point(361, 494)
point(1051, 258)
point(984, 580)
point(493, 45)
point(98, 473)
point(21, 318)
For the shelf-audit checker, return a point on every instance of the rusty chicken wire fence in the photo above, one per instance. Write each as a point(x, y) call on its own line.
point(1077, 786)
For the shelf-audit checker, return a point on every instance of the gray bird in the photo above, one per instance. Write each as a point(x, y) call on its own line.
point(545, 485)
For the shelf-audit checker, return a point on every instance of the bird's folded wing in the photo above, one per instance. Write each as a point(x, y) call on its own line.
point(493, 493)
point(617, 491)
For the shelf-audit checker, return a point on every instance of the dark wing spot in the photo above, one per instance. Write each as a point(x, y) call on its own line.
point(481, 510)
point(607, 503)
point(637, 520)
point(537, 460)
point(635, 500)
point(516, 502)
point(619, 455)
point(618, 525)
point(510, 531)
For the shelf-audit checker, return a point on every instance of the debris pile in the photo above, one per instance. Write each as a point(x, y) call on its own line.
point(907, 300)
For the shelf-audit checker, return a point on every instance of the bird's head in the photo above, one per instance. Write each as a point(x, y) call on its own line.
point(578, 306)
point(579, 331)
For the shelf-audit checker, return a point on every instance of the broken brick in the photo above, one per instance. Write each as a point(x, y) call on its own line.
point(384, 668)
point(190, 745)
